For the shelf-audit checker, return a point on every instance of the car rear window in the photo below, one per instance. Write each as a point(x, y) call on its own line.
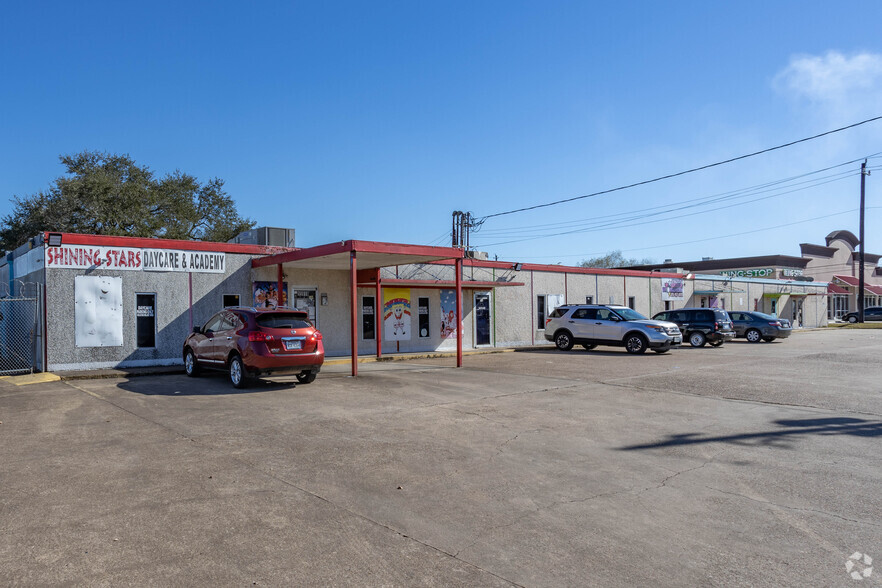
point(558, 312)
point(282, 320)
point(721, 315)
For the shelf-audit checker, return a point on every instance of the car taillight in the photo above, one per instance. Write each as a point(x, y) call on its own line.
point(259, 336)
point(716, 326)
point(775, 323)
point(316, 336)
point(548, 320)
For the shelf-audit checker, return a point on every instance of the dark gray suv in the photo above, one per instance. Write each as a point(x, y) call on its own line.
point(701, 325)
point(591, 325)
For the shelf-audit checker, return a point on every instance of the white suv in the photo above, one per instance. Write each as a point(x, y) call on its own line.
point(591, 325)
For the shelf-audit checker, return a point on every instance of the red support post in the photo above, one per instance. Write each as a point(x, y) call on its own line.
point(378, 316)
point(459, 312)
point(279, 277)
point(353, 332)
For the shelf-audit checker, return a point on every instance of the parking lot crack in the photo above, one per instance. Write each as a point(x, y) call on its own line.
point(795, 508)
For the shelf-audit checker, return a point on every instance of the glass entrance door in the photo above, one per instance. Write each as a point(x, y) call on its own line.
point(482, 318)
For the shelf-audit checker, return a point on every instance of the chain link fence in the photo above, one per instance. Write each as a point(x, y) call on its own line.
point(19, 330)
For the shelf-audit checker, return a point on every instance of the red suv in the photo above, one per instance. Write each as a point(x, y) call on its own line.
point(251, 342)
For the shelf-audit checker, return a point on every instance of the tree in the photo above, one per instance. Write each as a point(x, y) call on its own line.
point(109, 194)
point(614, 259)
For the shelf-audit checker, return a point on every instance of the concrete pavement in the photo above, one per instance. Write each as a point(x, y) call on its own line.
point(742, 465)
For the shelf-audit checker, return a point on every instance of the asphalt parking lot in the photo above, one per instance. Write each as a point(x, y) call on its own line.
point(745, 465)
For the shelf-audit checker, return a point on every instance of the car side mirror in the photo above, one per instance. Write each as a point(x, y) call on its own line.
point(197, 329)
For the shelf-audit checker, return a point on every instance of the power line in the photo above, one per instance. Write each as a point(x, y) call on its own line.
point(688, 171)
point(808, 220)
point(732, 194)
point(624, 223)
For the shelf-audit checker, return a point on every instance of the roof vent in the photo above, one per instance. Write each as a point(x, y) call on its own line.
point(669, 261)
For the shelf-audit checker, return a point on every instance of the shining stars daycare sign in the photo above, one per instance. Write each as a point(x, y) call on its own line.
point(127, 258)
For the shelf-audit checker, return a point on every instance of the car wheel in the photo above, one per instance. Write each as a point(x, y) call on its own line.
point(564, 341)
point(635, 344)
point(852, 319)
point(306, 377)
point(190, 365)
point(716, 343)
point(697, 339)
point(753, 336)
point(588, 346)
point(769, 339)
point(238, 377)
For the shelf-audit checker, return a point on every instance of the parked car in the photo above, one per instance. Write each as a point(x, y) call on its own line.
point(701, 325)
point(758, 326)
point(871, 313)
point(591, 325)
point(252, 342)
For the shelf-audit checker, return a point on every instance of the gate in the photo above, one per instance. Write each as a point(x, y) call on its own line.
point(19, 324)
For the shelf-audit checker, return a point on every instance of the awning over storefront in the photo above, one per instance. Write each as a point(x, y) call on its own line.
point(358, 256)
point(834, 289)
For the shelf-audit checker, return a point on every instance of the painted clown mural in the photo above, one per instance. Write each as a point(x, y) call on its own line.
point(396, 314)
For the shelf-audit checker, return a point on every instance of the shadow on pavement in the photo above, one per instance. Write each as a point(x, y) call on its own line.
point(778, 437)
point(207, 384)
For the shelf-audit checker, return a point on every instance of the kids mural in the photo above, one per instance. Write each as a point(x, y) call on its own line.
point(396, 314)
point(448, 314)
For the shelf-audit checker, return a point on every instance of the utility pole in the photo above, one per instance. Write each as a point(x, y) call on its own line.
point(860, 301)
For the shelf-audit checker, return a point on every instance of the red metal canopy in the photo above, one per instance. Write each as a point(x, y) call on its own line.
point(368, 255)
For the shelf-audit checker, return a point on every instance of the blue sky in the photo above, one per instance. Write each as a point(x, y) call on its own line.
point(376, 120)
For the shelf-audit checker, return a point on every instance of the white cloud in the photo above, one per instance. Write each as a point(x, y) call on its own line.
point(833, 77)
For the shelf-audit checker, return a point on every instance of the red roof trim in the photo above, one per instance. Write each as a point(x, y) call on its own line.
point(508, 265)
point(436, 284)
point(834, 289)
point(147, 243)
point(359, 246)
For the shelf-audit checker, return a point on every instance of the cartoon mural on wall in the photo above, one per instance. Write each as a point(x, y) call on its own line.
point(672, 289)
point(396, 314)
point(266, 295)
point(448, 314)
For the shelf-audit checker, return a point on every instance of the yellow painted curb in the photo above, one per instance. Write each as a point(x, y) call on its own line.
point(26, 379)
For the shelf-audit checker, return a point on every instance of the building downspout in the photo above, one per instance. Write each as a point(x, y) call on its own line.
point(532, 312)
point(353, 308)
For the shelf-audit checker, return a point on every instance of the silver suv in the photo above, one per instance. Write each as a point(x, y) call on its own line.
point(591, 325)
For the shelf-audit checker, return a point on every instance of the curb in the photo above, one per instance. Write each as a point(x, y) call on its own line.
point(167, 370)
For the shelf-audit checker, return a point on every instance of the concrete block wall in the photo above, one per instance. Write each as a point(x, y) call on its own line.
point(172, 291)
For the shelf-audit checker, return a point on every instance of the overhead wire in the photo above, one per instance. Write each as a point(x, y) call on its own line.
point(624, 223)
point(682, 173)
point(709, 199)
point(716, 237)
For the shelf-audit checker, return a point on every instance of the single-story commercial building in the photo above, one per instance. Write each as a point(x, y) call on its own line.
point(837, 264)
point(76, 301)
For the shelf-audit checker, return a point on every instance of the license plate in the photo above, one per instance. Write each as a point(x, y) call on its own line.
point(293, 345)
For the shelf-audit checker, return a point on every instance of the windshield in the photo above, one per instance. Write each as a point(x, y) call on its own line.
point(629, 314)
